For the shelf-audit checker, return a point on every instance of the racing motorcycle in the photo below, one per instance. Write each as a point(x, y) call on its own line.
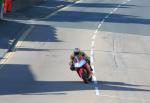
point(80, 68)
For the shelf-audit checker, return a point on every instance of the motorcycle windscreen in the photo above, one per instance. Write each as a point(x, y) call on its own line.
point(80, 64)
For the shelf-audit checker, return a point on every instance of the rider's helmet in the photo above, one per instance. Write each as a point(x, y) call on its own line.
point(76, 51)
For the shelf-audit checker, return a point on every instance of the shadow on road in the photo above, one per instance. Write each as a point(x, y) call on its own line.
point(9, 31)
point(75, 16)
point(102, 5)
point(43, 9)
point(39, 10)
point(42, 33)
point(19, 79)
point(121, 86)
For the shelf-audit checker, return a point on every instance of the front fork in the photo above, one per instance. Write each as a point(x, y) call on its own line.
point(84, 73)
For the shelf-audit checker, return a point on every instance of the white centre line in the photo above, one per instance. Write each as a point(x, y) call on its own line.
point(118, 6)
point(99, 26)
point(97, 90)
point(106, 16)
point(102, 21)
point(124, 2)
point(93, 44)
point(92, 59)
point(96, 31)
point(111, 12)
point(115, 9)
point(94, 36)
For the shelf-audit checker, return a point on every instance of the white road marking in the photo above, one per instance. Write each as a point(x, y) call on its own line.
point(118, 6)
point(96, 31)
point(97, 90)
point(111, 12)
point(106, 16)
point(94, 36)
point(93, 44)
point(102, 21)
point(92, 53)
point(115, 9)
point(124, 2)
point(99, 25)
point(92, 59)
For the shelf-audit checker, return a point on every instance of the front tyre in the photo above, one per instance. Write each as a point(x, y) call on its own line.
point(90, 79)
point(85, 77)
point(86, 81)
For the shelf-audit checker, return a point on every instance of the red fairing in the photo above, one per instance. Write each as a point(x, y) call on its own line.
point(80, 71)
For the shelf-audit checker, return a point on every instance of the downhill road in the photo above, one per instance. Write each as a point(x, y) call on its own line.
point(114, 33)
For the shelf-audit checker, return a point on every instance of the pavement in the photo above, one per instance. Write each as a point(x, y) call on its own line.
point(10, 31)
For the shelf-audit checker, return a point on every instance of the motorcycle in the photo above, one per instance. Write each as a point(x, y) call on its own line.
point(80, 67)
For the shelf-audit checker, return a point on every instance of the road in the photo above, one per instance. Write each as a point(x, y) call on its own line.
point(114, 33)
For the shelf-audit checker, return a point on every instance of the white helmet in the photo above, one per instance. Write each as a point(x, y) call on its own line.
point(76, 51)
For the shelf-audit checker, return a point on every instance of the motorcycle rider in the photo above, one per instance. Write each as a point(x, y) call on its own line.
point(79, 53)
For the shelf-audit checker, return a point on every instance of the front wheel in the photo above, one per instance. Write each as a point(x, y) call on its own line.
point(85, 81)
point(90, 79)
point(85, 77)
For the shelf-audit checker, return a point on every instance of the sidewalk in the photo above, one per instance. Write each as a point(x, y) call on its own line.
point(11, 31)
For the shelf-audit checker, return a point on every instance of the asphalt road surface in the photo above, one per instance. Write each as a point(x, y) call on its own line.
point(114, 33)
